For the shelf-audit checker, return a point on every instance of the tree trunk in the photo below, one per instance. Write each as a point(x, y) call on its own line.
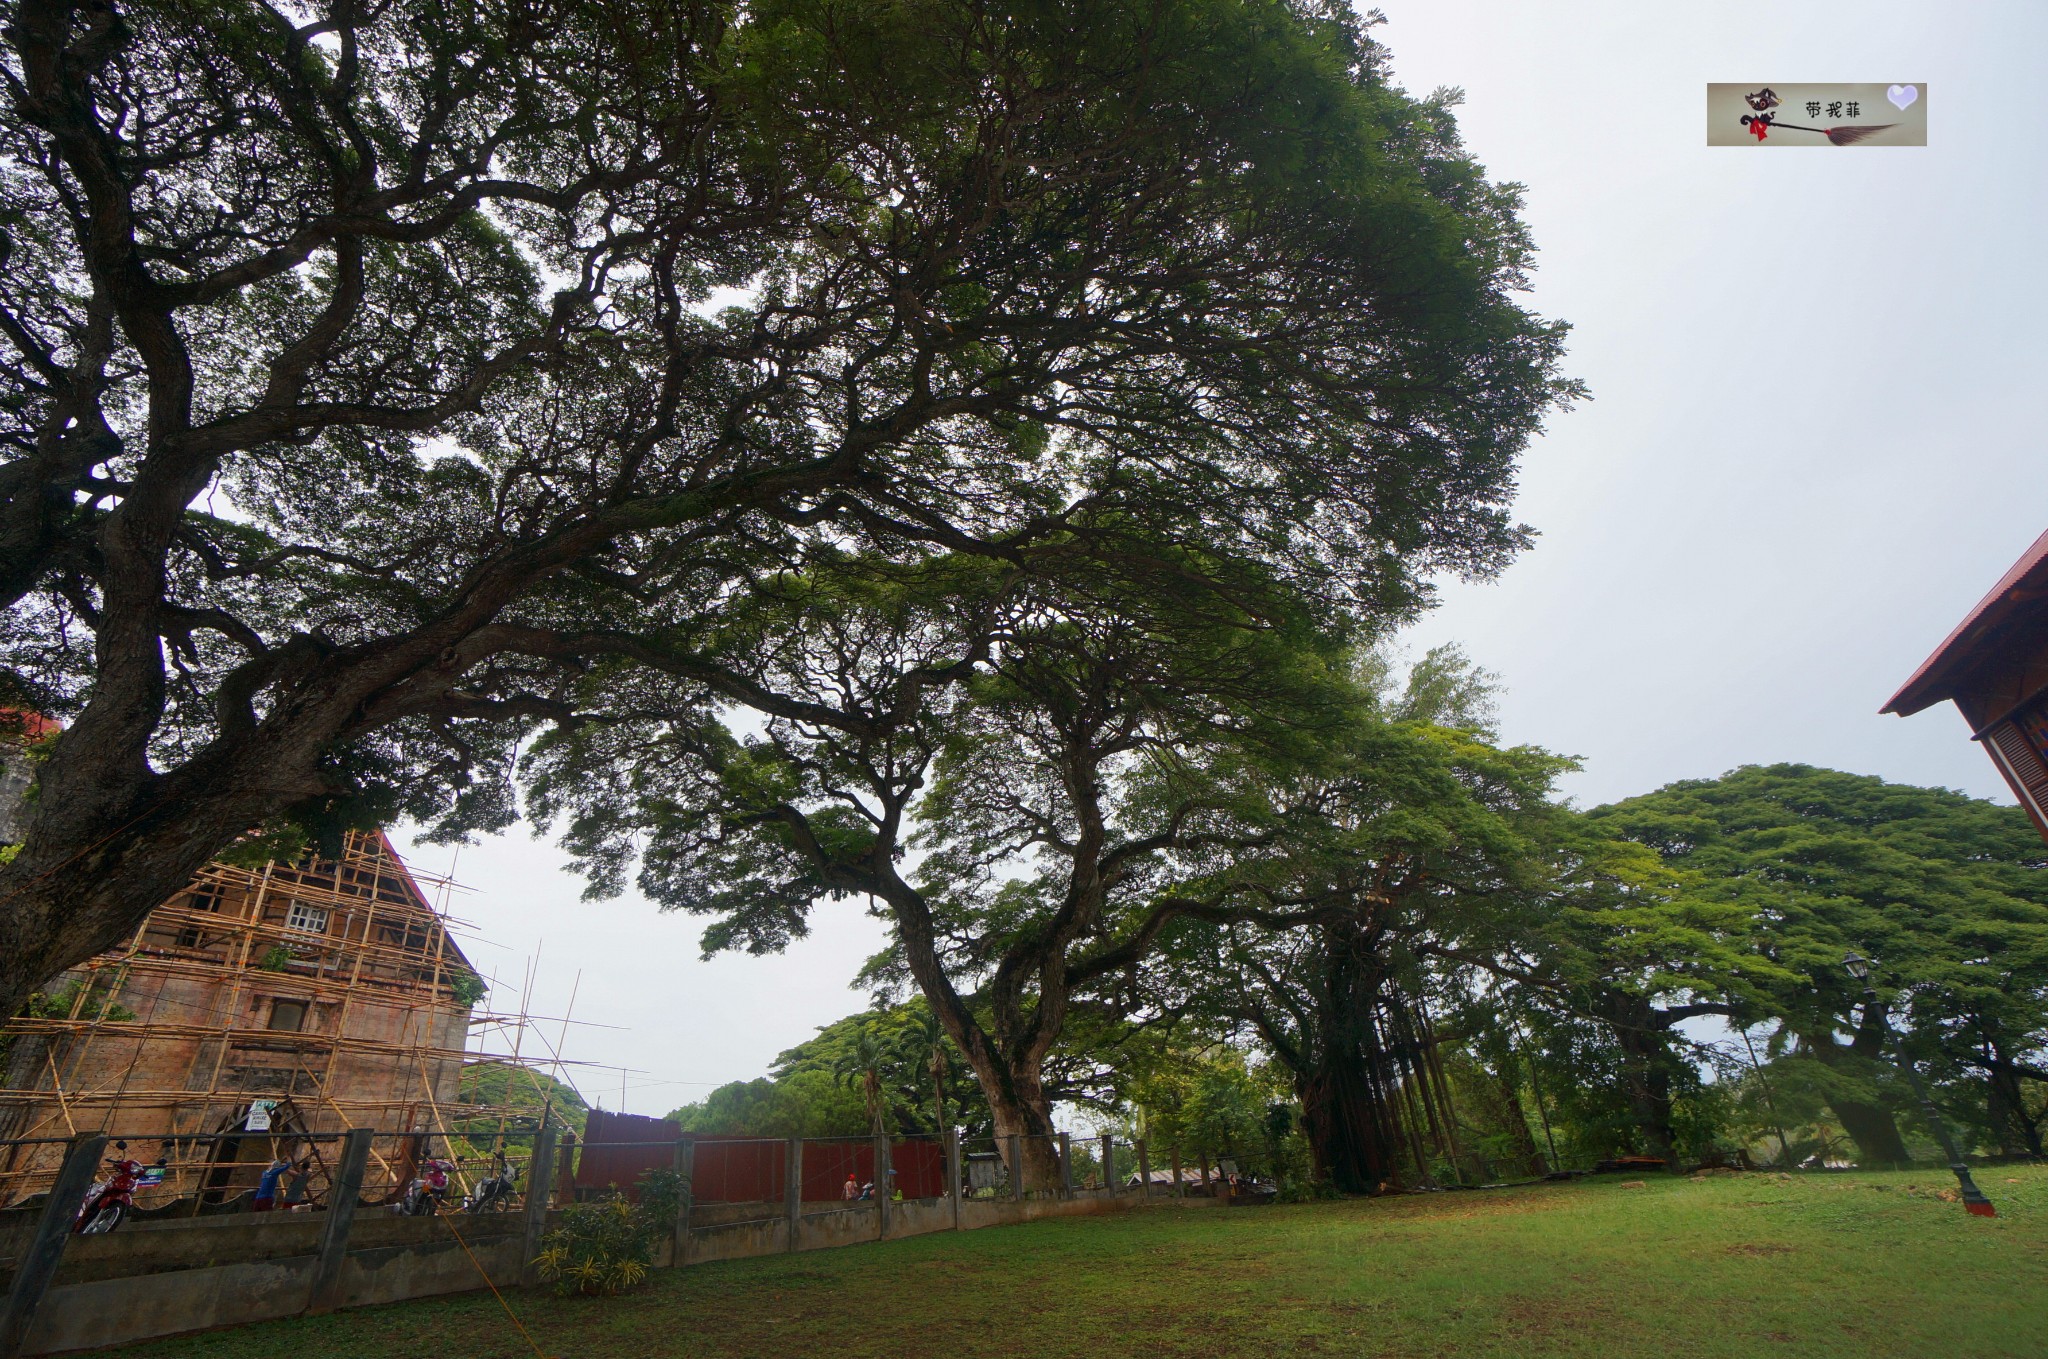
point(1874, 1131)
point(1646, 1071)
point(1341, 1071)
point(1033, 1123)
point(1515, 1119)
point(2018, 1133)
point(77, 889)
point(871, 1086)
point(2017, 1136)
point(1350, 1135)
point(1870, 1125)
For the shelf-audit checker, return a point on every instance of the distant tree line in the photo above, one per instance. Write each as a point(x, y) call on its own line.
point(1402, 960)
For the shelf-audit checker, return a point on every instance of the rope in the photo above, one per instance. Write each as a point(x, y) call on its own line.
point(531, 1342)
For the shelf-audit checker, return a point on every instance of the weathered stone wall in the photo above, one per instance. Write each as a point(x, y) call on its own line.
point(15, 776)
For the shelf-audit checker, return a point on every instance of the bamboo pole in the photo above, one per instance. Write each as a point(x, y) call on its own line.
point(357, 966)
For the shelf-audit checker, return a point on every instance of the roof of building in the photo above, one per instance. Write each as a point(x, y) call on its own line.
point(21, 724)
point(2025, 584)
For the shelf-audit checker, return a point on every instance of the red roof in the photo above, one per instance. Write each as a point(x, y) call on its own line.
point(2023, 584)
point(25, 725)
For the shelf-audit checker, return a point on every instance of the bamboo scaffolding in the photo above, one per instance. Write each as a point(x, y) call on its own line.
point(380, 1036)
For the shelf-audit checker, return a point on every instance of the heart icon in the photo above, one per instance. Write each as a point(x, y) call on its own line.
point(1902, 95)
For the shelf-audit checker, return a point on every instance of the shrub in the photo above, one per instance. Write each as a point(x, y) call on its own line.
point(600, 1249)
point(607, 1247)
point(467, 988)
point(1306, 1190)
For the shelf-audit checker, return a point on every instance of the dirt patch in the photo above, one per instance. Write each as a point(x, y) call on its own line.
point(1532, 1318)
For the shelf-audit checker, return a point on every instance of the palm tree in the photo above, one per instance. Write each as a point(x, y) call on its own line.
point(864, 1062)
point(926, 1044)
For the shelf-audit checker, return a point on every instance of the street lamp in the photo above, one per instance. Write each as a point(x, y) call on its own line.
point(1858, 966)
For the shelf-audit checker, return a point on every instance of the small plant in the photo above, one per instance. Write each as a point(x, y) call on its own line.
point(1306, 1190)
point(59, 1004)
point(661, 1198)
point(599, 1250)
point(605, 1248)
point(276, 960)
point(467, 988)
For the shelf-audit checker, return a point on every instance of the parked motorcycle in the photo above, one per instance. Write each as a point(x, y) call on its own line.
point(423, 1196)
point(109, 1202)
point(494, 1195)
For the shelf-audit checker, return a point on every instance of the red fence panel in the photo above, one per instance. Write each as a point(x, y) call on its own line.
point(739, 1170)
point(920, 1169)
point(620, 1148)
point(828, 1163)
point(613, 1154)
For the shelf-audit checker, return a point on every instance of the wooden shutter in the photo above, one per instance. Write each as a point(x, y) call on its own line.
point(2023, 768)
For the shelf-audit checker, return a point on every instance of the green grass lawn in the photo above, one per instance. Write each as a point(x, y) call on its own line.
point(1726, 1267)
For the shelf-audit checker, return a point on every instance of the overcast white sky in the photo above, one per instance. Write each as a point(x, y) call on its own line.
point(1811, 448)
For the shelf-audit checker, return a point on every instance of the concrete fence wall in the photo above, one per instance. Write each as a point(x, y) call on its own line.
point(157, 1279)
point(153, 1279)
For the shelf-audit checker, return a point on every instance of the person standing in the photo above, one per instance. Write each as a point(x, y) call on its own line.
point(266, 1188)
point(295, 1187)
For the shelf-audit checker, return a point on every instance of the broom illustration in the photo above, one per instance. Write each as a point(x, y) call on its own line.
point(1838, 136)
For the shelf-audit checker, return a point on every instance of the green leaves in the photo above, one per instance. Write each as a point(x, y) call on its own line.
point(1946, 894)
point(1933, 886)
point(803, 436)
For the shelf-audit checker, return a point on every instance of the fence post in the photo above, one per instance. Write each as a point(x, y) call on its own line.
point(39, 1262)
point(793, 1189)
point(884, 1191)
point(686, 1167)
point(538, 1174)
point(565, 1180)
point(953, 1173)
point(1144, 1173)
point(1109, 1163)
point(343, 1193)
point(1017, 1167)
point(1066, 1166)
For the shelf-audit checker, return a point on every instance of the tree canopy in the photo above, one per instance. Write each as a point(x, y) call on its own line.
point(1944, 893)
point(381, 385)
point(806, 1096)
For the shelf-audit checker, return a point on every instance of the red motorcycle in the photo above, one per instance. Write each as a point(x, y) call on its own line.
point(108, 1203)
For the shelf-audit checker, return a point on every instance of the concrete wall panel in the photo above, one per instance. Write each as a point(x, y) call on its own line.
point(157, 1279)
point(915, 1217)
point(116, 1311)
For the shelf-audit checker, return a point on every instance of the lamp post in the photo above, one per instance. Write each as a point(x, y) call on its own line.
point(1858, 967)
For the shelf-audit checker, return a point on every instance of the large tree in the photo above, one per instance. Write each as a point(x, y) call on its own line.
point(374, 377)
point(1413, 823)
point(1947, 894)
point(1621, 949)
point(1042, 749)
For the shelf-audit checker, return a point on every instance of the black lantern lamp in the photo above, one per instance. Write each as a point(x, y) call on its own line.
point(1858, 966)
